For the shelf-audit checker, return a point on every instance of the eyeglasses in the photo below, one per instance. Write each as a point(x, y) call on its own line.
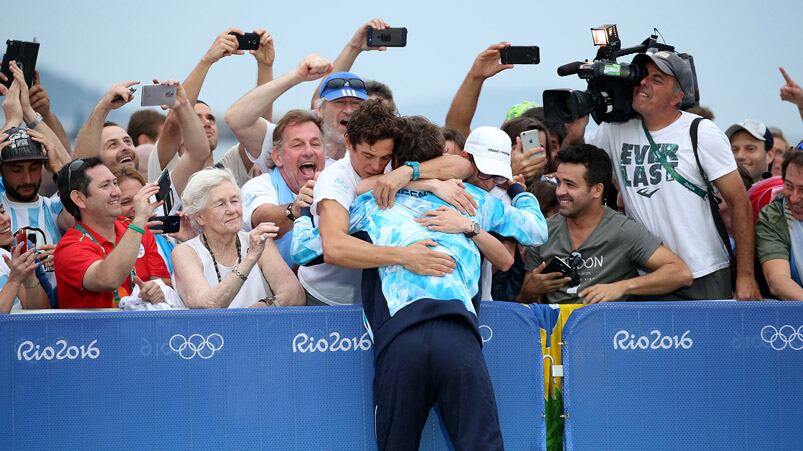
point(74, 166)
point(338, 83)
point(498, 179)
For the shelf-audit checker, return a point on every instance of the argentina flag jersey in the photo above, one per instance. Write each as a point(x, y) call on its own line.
point(396, 226)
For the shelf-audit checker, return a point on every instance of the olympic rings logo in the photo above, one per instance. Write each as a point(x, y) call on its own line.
point(780, 338)
point(196, 344)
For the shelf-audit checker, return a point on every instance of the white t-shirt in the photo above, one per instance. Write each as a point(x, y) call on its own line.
point(232, 161)
point(155, 169)
point(253, 289)
point(331, 284)
point(267, 147)
point(257, 192)
point(679, 217)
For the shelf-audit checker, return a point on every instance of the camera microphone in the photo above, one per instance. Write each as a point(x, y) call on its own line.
point(570, 68)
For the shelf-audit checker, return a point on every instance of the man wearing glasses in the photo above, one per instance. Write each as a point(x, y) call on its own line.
point(105, 256)
point(594, 253)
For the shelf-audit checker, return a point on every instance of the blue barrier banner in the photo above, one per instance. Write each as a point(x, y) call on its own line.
point(283, 378)
point(692, 375)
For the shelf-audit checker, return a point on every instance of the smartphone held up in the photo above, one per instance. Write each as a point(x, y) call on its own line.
point(518, 54)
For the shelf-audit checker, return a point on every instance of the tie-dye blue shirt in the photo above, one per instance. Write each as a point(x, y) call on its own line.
point(397, 227)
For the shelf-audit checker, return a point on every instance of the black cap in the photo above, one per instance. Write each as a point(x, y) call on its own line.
point(21, 148)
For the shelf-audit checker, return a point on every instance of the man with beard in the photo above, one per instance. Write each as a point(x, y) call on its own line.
point(603, 248)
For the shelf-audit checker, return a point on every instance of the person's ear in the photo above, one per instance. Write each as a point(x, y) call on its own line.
point(78, 198)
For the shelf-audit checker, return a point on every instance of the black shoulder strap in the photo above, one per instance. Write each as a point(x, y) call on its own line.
point(722, 231)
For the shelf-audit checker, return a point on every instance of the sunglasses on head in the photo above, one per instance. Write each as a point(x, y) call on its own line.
point(74, 166)
point(339, 83)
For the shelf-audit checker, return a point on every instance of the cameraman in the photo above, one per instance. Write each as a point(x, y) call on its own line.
point(665, 203)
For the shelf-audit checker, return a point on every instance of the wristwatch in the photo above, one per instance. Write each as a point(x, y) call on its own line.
point(414, 166)
point(475, 230)
point(289, 212)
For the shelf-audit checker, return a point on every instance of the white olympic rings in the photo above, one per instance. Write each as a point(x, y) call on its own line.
point(780, 338)
point(196, 344)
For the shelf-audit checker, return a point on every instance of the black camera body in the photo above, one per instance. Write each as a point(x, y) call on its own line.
point(609, 95)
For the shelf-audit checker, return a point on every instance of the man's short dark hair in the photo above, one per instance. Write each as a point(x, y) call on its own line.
point(794, 157)
point(418, 140)
point(373, 121)
point(145, 122)
point(68, 180)
point(111, 124)
point(450, 134)
point(379, 89)
point(595, 160)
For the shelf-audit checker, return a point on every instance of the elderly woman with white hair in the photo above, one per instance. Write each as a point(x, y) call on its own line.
point(224, 267)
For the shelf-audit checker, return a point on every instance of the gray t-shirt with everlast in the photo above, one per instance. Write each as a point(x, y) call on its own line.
point(614, 251)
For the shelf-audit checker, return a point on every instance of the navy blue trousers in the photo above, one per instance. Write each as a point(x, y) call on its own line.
point(436, 361)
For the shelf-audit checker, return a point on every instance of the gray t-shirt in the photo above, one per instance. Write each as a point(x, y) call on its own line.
point(614, 251)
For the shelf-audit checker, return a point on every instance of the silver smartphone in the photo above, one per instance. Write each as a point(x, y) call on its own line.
point(529, 140)
point(155, 95)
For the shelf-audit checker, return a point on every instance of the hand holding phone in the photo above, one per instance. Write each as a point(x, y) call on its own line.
point(558, 265)
point(25, 54)
point(155, 95)
point(389, 37)
point(21, 236)
point(246, 41)
point(518, 54)
point(531, 139)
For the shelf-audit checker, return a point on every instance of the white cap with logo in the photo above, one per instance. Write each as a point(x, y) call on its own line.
point(491, 150)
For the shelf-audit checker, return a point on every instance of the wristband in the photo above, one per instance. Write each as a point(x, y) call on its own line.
point(414, 166)
point(136, 228)
point(36, 121)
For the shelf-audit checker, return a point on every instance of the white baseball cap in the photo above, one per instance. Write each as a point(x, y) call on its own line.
point(491, 150)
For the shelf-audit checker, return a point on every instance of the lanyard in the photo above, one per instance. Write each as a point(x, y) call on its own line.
point(86, 233)
point(671, 169)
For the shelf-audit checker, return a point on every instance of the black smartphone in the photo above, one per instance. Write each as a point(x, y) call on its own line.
point(247, 41)
point(389, 37)
point(557, 265)
point(164, 193)
point(520, 55)
point(170, 224)
point(25, 54)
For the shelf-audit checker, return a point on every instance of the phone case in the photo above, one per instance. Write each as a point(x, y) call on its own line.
point(389, 37)
point(529, 139)
point(155, 95)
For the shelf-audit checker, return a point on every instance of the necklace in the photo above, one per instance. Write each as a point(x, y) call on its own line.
point(214, 261)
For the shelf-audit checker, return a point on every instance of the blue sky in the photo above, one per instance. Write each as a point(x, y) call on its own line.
point(737, 46)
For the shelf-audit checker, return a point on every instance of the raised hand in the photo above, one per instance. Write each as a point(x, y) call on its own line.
point(487, 64)
point(266, 52)
point(225, 44)
point(313, 67)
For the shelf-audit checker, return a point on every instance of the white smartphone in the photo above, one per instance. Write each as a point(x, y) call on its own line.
point(155, 95)
point(529, 140)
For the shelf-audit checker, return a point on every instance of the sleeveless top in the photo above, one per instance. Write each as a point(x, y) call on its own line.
point(252, 290)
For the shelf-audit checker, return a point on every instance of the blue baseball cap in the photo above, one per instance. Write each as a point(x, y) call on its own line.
point(343, 84)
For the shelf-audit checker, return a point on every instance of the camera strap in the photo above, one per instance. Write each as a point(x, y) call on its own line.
point(671, 169)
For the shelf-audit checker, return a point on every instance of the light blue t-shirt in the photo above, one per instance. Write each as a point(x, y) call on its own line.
point(396, 227)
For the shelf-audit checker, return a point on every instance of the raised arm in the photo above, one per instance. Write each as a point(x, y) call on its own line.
point(87, 144)
point(170, 139)
point(464, 104)
point(792, 92)
point(40, 101)
point(356, 45)
point(107, 274)
point(244, 116)
point(197, 154)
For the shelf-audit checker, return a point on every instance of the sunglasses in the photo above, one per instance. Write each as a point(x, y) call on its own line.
point(339, 83)
point(74, 166)
point(498, 179)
